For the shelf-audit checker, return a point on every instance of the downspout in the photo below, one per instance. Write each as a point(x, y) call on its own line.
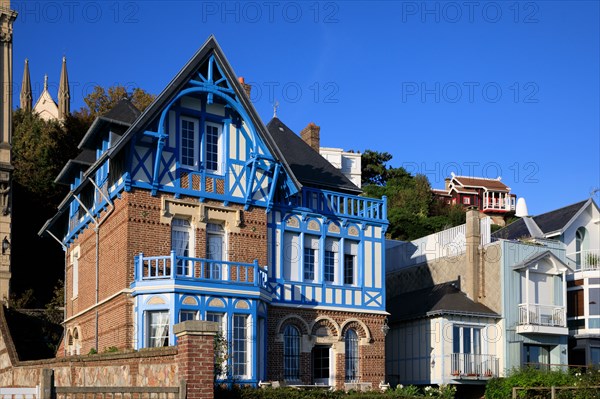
point(97, 231)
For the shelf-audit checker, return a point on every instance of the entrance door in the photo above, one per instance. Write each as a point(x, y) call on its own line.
point(321, 365)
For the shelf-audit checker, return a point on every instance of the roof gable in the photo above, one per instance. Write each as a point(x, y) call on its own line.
point(545, 262)
point(196, 70)
point(552, 222)
point(481, 182)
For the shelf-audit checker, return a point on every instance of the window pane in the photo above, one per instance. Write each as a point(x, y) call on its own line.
point(329, 266)
point(187, 142)
point(349, 268)
point(158, 329)
point(180, 243)
point(594, 301)
point(240, 350)
point(212, 148)
point(309, 264)
point(351, 356)
point(466, 340)
point(456, 339)
point(185, 315)
point(291, 353)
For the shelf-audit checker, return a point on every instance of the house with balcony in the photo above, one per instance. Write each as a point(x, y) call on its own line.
point(449, 334)
point(491, 196)
point(195, 209)
point(577, 227)
point(481, 306)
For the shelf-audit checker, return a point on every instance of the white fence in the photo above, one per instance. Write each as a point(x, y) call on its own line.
point(449, 242)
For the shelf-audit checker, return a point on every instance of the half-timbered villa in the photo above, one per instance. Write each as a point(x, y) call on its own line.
point(195, 209)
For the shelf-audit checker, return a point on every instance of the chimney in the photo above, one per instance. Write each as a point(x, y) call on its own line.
point(310, 135)
point(473, 237)
point(247, 88)
point(447, 183)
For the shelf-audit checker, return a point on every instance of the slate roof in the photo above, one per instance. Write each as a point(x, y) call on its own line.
point(310, 168)
point(122, 115)
point(83, 161)
point(436, 300)
point(549, 222)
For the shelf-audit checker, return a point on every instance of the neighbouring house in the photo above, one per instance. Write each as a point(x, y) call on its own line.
point(195, 209)
point(491, 196)
point(577, 227)
point(483, 306)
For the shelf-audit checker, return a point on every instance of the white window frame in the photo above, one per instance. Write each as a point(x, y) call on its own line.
point(151, 341)
point(186, 269)
point(75, 272)
point(220, 154)
point(247, 346)
point(332, 245)
point(196, 143)
point(351, 249)
point(220, 268)
point(311, 242)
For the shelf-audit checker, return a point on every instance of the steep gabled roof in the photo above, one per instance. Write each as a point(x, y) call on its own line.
point(551, 223)
point(436, 300)
point(490, 184)
point(309, 167)
point(180, 81)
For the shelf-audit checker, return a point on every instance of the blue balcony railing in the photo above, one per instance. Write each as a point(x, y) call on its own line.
point(199, 269)
point(338, 204)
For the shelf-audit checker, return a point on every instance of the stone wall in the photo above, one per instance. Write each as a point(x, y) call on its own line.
point(192, 361)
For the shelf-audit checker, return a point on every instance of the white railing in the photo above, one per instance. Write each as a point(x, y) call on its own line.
point(470, 365)
point(449, 242)
point(542, 315)
point(588, 259)
point(503, 201)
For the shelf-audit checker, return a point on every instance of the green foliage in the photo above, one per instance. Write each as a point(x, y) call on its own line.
point(401, 392)
point(111, 349)
point(412, 211)
point(93, 351)
point(221, 350)
point(22, 301)
point(501, 388)
point(101, 101)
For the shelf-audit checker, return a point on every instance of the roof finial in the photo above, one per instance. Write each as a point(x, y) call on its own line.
point(46, 82)
point(275, 106)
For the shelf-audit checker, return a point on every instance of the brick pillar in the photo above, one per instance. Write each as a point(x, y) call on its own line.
point(195, 356)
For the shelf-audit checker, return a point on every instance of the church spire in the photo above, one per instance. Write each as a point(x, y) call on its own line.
point(26, 97)
point(64, 96)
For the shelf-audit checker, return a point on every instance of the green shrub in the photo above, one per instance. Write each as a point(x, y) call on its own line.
point(501, 388)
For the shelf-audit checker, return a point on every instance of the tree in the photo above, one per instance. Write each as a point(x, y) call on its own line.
point(101, 101)
point(412, 211)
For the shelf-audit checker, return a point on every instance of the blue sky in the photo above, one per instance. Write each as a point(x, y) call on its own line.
point(478, 88)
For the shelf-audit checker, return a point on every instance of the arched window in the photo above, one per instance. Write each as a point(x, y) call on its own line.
point(351, 356)
point(291, 353)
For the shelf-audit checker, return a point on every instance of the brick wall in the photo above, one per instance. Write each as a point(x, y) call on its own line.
point(324, 327)
point(135, 226)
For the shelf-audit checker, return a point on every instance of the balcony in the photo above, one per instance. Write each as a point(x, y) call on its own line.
point(542, 319)
point(471, 366)
point(587, 260)
point(199, 270)
point(498, 202)
point(339, 205)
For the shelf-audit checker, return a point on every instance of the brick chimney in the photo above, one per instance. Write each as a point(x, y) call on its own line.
point(247, 88)
point(447, 183)
point(472, 273)
point(310, 135)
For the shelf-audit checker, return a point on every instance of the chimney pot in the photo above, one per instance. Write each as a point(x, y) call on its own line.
point(247, 88)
